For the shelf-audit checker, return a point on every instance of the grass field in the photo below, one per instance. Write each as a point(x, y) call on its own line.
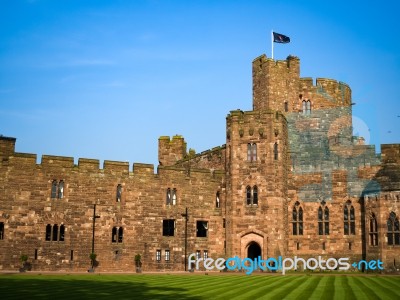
point(197, 286)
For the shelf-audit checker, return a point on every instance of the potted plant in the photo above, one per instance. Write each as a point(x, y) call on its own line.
point(93, 262)
point(138, 263)
point(25, 265)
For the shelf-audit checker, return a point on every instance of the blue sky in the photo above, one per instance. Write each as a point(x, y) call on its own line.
point(104, 79)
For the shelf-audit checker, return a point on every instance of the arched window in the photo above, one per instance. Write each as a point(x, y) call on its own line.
point(61, 189)
point(349, 219)
point(217, 201)
point(48, 232)
point(168, 196)
point(55, 233)
point(54, 189)
point(120, 234)
point(373, 230)
point(323, 221)
point(276, 151)
point(304, 107)
point(119, 193)
point(248, 195)
point(393, 230)
point(114, 235)
point(173, 196)
point(255, 195)
point(62, 233)
point(297, 219)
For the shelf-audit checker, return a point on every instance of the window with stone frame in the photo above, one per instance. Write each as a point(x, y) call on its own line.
point(349, 219)
point(201, 228)
point(323, 220)
point(306, 107)
point(393, 230)
point(54, 189)
point(252, 152)
point(158, 255)
point(198, 254)
point(119, 193)
point(373, 230)
point(60, 189)
point(167, 255)
point(217, 200)
point(55, 233)
point(169, 227)
point(205, 254)
point(171, 196)
point(297, 219)
point(1, 231)
point(252, 195)
point(276, 153)
point(117, 234)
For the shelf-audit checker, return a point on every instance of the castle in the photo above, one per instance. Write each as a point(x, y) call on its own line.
point(290, 180)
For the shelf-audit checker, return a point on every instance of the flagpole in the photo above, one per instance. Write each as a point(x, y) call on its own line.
point(272, 44)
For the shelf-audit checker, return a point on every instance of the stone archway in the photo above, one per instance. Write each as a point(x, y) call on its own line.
point(253, 250)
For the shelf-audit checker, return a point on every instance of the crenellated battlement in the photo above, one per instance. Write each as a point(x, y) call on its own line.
point(170, 150)
point(277, 86)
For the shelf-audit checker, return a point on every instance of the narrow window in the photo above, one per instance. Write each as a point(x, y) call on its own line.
point(217, 201)
point(254, 152)
point(114, 235)
point(298, 246)
point(326, 220)
point(61, 189)
point(168, 227)
point(373, 231)
point(223, 223)
point(304, 107)
point(1, 231)
point(119, 193)
point(276, 151)
point(48, 232)
point(323, 221)
point(205, 254)
point(158, 255)
point(286, 106)
point(393, 230)
point(167, 255)
point(350, 245)
point(55, 232)
point(297, 219)
point(308, 107)
point(54, 189)
point(248, 195)
point(255, 195)
point(201, 228)
point(168, 196)
point(120, 234)
point(62, 233)
point(349, 219)
point(249, 152)
point(198, 254)
point(36, 254)
point(323, 246)
point(72, 255)
point(174, 197)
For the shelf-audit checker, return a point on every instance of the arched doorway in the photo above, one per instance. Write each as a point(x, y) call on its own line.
point(253, 250)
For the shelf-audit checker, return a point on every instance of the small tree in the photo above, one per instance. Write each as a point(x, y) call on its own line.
point(138, 263)
point(25, 265)
point(93, 257)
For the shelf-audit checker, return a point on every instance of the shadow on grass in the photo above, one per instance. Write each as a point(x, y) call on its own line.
point(88, 288)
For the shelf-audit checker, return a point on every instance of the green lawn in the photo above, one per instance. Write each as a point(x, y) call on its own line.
point(198, 286)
